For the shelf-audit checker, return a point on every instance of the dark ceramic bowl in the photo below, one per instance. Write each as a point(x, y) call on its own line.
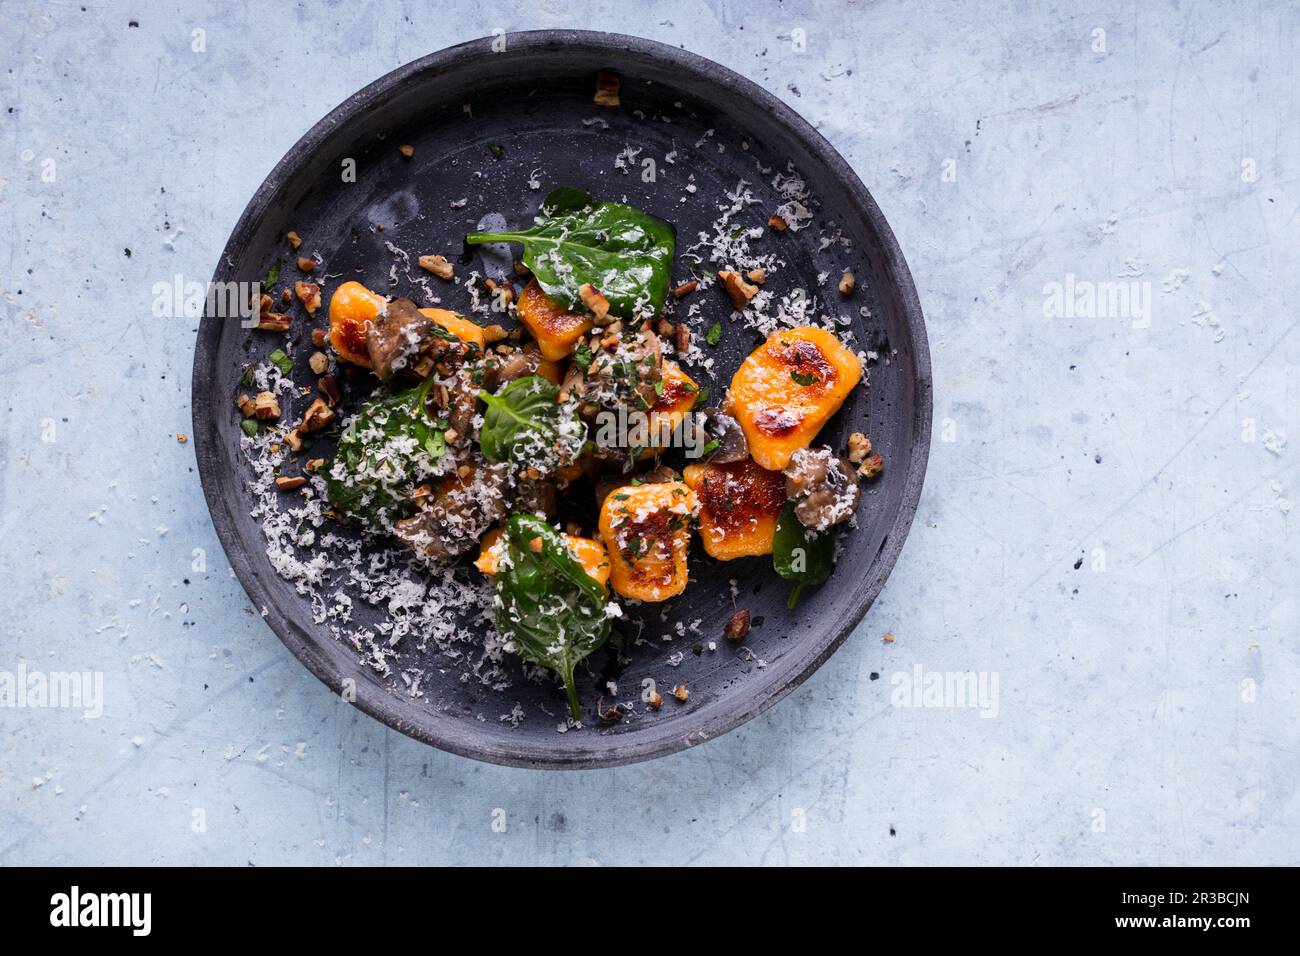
point(481, 122)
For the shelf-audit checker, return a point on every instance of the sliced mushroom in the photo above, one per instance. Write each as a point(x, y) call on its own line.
point(537, 495)
point(461, 512)
point(824, 488)
point(726, 431)
point(397, 336)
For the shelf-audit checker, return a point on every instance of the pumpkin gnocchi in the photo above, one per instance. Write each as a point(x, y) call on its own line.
point(647, 532)
point(739, 505)
point(556, 329)
point(788, 388)
point(588, 553)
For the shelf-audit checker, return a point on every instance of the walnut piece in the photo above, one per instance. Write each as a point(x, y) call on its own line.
point(308, 294)
point(737, 628)
point(438, 265)
point(319, 362)
point(686, 288)
point(681, 693)
point(737, 288)
point(407, 150)
point(286, 483)
point(317, 416)
point(595, 302)
point(847, 283)
point(607, 85)
point(873, 467)
point(295, 240)
point(859, 447)
point(306, 264)
point(776, 223)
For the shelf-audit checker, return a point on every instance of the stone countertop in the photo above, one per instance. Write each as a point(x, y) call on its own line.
point(1104, 538)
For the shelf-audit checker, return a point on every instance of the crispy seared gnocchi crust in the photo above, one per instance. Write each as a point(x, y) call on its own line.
point(739, 505)
point(647, 532)
point(674, 401)
point(555, 328)
point(588, 553)
point(462, 328)
point(788, 388)
point(352, 308)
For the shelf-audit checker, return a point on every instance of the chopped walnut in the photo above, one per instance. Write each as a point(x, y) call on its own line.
point(686, 288)
point(318, 337)
point(847, 283)
point(306, 264)
point(314, 464)
point(873, 467)
point(317, 416)
point(286, 483)
point(665, 328)
point(595, 302)
point(182, 438)
point(756, 276)
point(494, 333)
point(285, 296)
point(737, 628)
point(503, 290)
point(438, 265)
point(777, 224)
point(737, 288)
point(407, 150)
point(606, 89)
point(859, 447)
point(293, 439)
point(681, 693)
point(308, 294)
point(265, 406)
point(295, 240)
point(655, 700)
point(451, 436)
point(328, 386)
point(682, 338)
point(272, 322)
point(319, 362)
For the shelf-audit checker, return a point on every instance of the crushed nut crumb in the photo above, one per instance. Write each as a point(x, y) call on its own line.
point(681, 693)
point(309, 295)
point(295, 240)
point(438, 265)
point(607, 85)
point(289, 483)
point(686, 288)
point(777, 224)
point(737, 288)
point(847, 283)
point(859, 447)
point(873, 467)
point(737, 628)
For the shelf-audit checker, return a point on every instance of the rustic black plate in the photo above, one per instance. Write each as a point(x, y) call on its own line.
point(482, 122)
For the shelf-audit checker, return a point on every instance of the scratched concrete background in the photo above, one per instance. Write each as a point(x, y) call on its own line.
point(1104, 531)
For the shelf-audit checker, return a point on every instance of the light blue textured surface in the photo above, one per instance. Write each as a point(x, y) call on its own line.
point(1147, 709)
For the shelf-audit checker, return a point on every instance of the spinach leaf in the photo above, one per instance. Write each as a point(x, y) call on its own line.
point(389, 448)
point(625, 253)
point(523, 422)
point(801, 555)
point(547, 605)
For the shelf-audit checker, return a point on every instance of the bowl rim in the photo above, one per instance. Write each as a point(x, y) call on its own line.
point(450, 735)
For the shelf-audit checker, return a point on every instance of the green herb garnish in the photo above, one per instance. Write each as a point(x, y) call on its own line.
point(374, 480)
point(714, 335)
point(280, 360)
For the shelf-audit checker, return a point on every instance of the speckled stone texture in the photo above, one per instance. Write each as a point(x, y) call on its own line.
point(1104, 532)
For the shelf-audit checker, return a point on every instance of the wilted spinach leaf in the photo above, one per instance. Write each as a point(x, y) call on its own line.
point(390, 447)
point(625, 253)
point(548, 606)
point(801, 555)
point(523, 422)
